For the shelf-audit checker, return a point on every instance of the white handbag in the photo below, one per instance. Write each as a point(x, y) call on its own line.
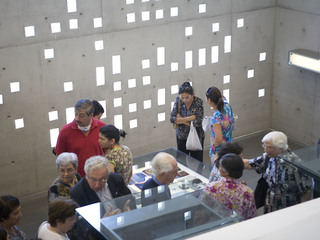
point(193, 142)
point(206, 123)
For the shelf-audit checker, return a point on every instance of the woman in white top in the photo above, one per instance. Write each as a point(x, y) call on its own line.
point(61, 219)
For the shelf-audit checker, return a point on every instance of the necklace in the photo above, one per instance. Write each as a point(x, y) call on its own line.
point(57, 230)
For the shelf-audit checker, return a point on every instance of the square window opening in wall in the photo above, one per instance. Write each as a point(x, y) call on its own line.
point(261, 92)
point(146, 80)
point(145, 0)
point(226, 94)
point(129, 2)
point(55, 27)
point(15, 87)
point(49, 53)
point(29, 31)
point(159, 14)
point(160, 56)
point(131, 17)
point(188, 59)
point(250, 73)
point(73, 24)
point(132, 83)
point(202, 8)
point(174, 12)
point(145, 16)
point(161, 96)
point(100, 76)
point(116, 64)
point(227, 44)
point(72, 6)
point(146, 104)
point(70, 114)
point(188, 31)
point(19, 123)
point(172, 104)
point(214, 54)
point(215, 27)
point(53, 115)
point(104, 105)
point(202, 57)
point(240, 23)
point(68, 86)
point(97, 22)
point(117, 102)
point(132, 107)
point(1, 99)
point(133, 123)
point(145, 63)
point(262, 56)
point(117, 86)
point(174, 89)
point(118, 122)
point(174, 66)
point(161, 117)
point(98, 45)
point(226, 79)
point(54, 133)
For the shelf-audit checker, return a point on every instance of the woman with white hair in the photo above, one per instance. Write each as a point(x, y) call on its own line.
point(67, 164)
point(287, 184)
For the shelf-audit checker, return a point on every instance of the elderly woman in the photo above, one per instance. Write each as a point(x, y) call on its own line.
point(61, 219)
point(230, 191)
point(10, 215)
point(67, 164)
point(287, 184)
point(188, 109)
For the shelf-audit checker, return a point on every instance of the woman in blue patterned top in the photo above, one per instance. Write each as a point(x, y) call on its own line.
point(221, 123)
point(187, 110)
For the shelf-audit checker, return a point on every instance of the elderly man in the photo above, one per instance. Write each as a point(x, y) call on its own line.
point(287, 184)
point(81, 135)
point(99, 184)
point(164, 169)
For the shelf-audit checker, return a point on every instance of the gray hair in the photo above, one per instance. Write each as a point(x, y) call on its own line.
point(84, 104)
point(162, 162)
point(278, 140)
point(96, 162)
point(65, 158)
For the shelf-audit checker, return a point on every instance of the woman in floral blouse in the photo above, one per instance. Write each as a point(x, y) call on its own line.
point(221, 123)
point(230, 191)
point(188, 109)
point(119, 156)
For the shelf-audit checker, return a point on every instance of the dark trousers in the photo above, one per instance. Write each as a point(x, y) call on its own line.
point(181, 145)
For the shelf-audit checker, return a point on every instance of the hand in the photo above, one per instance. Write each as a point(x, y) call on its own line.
point(126, 207)
point(111, 212)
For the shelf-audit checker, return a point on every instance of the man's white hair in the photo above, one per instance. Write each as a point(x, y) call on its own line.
point(162, 162)
point(96, 162)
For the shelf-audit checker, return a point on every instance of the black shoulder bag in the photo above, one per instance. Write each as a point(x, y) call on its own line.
point(261, 189)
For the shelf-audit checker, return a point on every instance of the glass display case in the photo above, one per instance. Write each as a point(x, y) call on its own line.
point(310, 160)
point(154, 215)
point(174, 218)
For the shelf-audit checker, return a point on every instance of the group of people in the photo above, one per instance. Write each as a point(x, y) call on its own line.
point(94, 167)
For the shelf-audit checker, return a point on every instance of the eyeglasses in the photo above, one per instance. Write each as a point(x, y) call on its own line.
point(69, 170)
point(102, 180)
point(267, 147)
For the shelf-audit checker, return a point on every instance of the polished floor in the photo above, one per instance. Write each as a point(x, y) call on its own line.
point(35, 206)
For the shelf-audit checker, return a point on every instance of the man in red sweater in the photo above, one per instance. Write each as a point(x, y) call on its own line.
point(81, 135)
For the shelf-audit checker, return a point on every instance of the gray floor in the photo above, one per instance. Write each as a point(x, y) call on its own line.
point(35, 207)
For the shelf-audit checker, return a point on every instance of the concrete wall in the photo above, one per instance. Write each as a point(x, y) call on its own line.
point(27, 164)
point(296, 92)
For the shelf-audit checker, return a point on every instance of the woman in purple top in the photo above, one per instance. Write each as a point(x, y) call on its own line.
point(230, 191)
